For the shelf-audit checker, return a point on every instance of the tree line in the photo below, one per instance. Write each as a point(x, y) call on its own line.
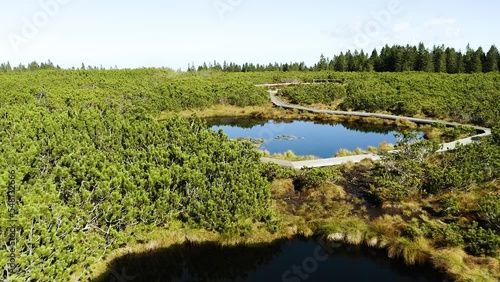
point(397, 58)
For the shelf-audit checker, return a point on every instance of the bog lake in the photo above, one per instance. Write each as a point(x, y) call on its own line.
point(305, 137)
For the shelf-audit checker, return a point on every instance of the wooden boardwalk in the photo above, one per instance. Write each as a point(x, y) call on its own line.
point(481, 131)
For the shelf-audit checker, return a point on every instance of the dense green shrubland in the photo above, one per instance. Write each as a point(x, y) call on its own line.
point(85, 180)
point(467, 174)
point(464, 98)
point(314, 93)
point(92, 165)
point(468, 98)
point(136, 91)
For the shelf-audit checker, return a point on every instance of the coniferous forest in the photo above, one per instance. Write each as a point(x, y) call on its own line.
point(439, 59)
point(87, 166)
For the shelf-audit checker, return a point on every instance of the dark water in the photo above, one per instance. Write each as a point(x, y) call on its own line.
point(319, 139)
point(287, 261)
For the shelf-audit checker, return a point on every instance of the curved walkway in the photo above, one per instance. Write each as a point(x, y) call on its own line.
point(481, 131)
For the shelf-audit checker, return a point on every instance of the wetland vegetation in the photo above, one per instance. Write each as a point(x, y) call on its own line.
point(110, 162)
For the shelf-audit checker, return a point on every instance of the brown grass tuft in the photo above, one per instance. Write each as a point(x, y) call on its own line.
point(411, 250)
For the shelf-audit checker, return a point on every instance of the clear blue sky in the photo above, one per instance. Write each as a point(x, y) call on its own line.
point(157, 33)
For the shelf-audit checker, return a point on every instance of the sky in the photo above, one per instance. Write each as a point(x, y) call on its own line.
point(165, 33)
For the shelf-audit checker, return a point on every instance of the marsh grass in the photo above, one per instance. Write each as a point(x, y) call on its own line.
point(349, 230)
point(355, 230)
point(413, 251)
point(288, 156)
point(432, 133)
point(333, 191)
point(450, 259)
point(385, 147)
point(406, 123)
point(463, 267)
point(222, 111)
point(345, 153)
point(387, 226)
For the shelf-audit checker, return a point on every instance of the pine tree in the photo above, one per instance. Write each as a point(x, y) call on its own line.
point(340, 62)
point(460, 62)
point(375, 61)
point(5, 67)
point(398, 54)
point(33, 66)
point(451, 60)
point(331, 64)
point(364, 63)
point(424, 61)
point(439, 59)
point(472, 60)
point(351, 64)
point(492, 58)
point(386, 59)
point(477, 63)
point(409, 58)
point(322, 64)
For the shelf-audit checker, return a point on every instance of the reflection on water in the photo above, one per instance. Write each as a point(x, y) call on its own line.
point(308, 138)
point(295, 260)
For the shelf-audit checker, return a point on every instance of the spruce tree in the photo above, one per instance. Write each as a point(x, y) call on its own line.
point(424, 61)
point(340, 62)
point(451, 60)
point(492, 58)
point(439, 59)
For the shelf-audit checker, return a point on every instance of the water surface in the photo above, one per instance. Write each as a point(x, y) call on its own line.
point(306, 137)
point(289, 261)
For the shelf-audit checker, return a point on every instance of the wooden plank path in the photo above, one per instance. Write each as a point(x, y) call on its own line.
point(481, 131)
